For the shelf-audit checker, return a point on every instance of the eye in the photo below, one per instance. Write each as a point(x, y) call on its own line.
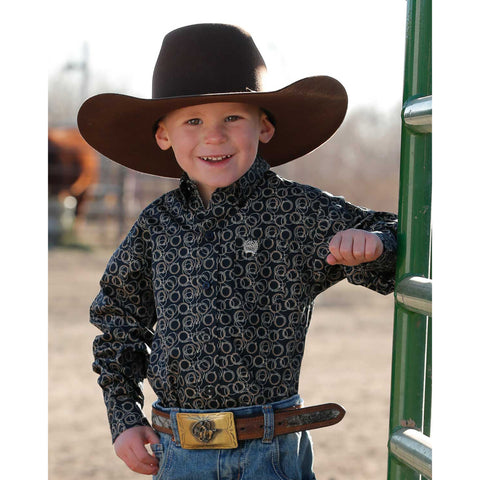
point(232, 118)
point(194, 121)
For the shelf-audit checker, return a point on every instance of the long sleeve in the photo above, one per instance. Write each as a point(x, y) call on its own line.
point(125, 313)
point(336, 214)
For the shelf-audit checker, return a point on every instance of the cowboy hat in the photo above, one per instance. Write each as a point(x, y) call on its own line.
point(210, 63)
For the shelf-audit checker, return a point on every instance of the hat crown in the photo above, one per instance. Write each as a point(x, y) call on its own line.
point(205, 59)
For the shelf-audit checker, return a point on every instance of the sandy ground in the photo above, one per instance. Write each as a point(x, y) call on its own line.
point(347, 361)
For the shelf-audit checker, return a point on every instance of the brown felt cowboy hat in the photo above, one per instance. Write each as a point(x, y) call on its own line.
point(209, 63)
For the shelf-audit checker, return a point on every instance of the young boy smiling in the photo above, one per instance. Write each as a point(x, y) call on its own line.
point(215, 143)
point(211, 293)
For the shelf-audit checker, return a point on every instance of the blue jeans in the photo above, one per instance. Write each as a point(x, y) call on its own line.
point(284, 457)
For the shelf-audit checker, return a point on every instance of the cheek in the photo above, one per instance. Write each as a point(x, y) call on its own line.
point(249, 139)
point(183, 143)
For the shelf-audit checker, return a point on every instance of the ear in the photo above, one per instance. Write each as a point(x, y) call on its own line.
point(266, 129)
point(161, 136)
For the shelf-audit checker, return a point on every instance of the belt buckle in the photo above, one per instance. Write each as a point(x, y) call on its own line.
point(207, 430)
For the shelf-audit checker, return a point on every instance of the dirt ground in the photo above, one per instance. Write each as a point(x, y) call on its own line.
point(347, 361)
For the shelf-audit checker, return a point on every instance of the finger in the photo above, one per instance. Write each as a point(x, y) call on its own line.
point(346, 249)
point(331, 260)
point(373, 247)
point(130, 447)
point(142, 462)
point(142, 456)
point(358, 248)
point(129, 459)
point(337, 247)
point(334, 246)
point(151, 436)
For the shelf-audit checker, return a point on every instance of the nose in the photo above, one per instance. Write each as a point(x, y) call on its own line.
point(215, 133)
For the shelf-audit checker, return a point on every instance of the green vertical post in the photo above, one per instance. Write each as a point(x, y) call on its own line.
point(411, 373)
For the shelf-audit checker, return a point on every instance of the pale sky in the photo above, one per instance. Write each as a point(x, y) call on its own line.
point(359, 43)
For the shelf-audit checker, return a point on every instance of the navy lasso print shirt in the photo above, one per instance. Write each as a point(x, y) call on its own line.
point(212, 305)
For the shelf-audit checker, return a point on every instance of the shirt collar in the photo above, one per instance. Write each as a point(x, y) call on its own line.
point(236, 193)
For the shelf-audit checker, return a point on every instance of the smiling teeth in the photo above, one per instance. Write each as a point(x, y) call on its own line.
point(216, 159)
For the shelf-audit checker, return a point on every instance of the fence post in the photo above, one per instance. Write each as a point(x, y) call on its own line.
point(411, 358)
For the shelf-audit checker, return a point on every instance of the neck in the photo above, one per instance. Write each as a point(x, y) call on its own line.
point(205, 194)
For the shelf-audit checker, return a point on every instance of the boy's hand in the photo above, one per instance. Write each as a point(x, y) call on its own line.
point(130, 447)
point(352, 247)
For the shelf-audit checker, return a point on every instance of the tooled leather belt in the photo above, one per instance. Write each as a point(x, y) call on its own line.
point(202, 428)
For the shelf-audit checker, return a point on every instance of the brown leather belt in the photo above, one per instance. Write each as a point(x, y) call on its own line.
point(202, 428)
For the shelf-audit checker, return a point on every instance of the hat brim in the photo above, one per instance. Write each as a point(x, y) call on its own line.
point(307, 113)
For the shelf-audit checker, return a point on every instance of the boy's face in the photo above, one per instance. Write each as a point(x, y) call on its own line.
point(215, 143)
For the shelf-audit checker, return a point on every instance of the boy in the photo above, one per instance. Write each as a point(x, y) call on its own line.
point(210, 294)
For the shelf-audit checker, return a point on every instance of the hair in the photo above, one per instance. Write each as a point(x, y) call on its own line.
point(270, 117)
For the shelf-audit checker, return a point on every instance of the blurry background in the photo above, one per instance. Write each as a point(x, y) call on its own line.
point(112, 47)
point(107, 46)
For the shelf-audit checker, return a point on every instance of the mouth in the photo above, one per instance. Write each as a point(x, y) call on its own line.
point(216, 158)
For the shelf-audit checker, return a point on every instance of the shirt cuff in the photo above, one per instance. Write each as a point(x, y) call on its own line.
point(378, 275)
point(124, 413)
point(387, 261)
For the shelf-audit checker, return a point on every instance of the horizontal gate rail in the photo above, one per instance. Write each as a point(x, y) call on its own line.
point(414, 449)
point(417, 114)
point(415, 294)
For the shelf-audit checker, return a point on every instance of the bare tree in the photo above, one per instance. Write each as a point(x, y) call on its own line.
point(360, 162)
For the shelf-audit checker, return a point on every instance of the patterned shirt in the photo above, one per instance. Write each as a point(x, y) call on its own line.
point(212, 305)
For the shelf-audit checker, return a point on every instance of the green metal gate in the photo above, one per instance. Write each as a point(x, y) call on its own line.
point(410, 453)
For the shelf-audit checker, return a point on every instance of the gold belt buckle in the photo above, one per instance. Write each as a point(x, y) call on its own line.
point(207, 430)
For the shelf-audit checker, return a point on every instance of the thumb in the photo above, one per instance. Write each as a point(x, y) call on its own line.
point(331, 260)
point(151, 436)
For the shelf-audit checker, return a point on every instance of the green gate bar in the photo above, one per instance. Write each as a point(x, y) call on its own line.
point(411, 356)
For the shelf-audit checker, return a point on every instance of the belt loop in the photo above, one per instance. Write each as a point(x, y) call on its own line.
point(173, 421)
point(268, 424)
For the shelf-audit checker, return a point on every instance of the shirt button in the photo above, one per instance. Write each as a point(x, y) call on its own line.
point(206, 284)
point(209, 235)
point(210, 391)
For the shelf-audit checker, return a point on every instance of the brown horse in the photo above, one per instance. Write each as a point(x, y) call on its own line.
point(73, 168)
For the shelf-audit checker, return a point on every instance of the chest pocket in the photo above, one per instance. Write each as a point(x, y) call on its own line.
point(259, 273)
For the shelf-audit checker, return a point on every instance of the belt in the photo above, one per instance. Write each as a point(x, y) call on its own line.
point(224, 429)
